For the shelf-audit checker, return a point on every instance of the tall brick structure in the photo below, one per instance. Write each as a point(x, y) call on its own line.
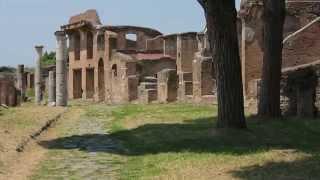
point(300, 49)
point(120, 64)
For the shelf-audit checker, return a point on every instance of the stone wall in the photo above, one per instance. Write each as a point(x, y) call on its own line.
point(301, 49)
point(113, 63)
point(8, 92)
point(167, 85)
point(299, 90)
point(152, 67)
point(155, 43)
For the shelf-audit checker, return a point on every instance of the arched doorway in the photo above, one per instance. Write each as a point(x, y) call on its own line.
point(101, 80)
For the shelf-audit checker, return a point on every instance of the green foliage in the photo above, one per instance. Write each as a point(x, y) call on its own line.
point(48, 59)
point(7, 69)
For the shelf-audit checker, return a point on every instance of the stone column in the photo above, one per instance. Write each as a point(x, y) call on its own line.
point(20, 79)
point(61, 69)
point(37, 76)
point(52, 89)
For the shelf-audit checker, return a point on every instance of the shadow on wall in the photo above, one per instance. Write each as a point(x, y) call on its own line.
point(197, 136)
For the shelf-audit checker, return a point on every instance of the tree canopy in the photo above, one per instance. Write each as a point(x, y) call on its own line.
point(49, 58)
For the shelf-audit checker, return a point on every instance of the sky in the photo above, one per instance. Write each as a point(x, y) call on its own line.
point(26, 23)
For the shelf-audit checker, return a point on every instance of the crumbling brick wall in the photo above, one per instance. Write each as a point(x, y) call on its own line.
point(8, 93)
point(167, 85)
point(301, 49)
point(299, 87)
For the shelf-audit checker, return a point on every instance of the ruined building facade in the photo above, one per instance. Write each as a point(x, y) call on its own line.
point(120, 64)
point(299, 86)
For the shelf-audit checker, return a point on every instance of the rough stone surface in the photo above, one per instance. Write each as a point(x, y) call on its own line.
point(90, 15)
point(9, 95)
point(61, 70)
point(111, 63)
point(301, 49)
point(21, 82)
point(52, 89)
point(167, 85)
point(38, 76)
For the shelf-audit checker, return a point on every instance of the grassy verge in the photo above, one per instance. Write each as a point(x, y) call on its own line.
point(19, 122)
point(180, 142)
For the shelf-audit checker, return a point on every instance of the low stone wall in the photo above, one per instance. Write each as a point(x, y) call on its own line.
point(9, 95)
point(299, 89)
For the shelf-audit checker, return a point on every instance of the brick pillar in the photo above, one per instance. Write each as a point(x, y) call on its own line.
point(61, 69)
point(37, 77)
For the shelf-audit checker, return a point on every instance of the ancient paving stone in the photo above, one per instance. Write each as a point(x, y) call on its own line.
point(83, 151)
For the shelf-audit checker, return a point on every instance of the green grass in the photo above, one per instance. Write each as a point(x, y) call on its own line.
point(18, 123)
point(180, 142)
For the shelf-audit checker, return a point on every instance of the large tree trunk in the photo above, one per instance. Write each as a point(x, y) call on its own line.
point(222, 31)
point(274, 16)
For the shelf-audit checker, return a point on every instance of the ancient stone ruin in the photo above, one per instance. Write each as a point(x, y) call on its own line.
point(301, 51)
point(121, 64)
point(9, 94)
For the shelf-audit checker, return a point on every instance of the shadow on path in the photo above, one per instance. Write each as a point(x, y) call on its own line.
point(198, 136)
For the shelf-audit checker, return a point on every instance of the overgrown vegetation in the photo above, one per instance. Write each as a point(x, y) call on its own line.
point(48, 59)
point(7, 69)
point(17, 124)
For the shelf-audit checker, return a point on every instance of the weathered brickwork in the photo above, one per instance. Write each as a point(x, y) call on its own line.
point(9, 94)
point(121, 64)
point(300, 90)
point(300, 49)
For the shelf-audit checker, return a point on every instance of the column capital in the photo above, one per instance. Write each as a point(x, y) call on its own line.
point(60, 35)
point(20, 66)
point(39, 49)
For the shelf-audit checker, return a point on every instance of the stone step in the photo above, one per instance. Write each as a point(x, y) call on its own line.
point(189, 87)
point(150, 79)
point(187, 76)
point(147, 96)
point(148, 85)
point(152, 94)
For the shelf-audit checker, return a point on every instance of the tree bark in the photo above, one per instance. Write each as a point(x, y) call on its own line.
point(221, 18)
point(274, 17)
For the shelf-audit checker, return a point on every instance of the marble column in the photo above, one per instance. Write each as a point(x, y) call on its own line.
point(37, 76)
point(61, 69)
point(52, 89)
point(20, 83)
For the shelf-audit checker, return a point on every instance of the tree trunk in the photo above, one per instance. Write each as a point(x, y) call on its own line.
point(222, 32)
point(274, 16)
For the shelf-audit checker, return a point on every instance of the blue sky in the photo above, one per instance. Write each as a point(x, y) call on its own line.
point(25, 23)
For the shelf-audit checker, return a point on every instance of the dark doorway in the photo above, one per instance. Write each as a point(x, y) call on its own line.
point(90, 83)
point(101, 80)
point(77, 84)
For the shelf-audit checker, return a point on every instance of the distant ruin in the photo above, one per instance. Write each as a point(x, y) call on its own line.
point(121, 64)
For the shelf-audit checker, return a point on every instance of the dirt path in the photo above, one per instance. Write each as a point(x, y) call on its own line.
point(77, 147)
point(81, 149)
